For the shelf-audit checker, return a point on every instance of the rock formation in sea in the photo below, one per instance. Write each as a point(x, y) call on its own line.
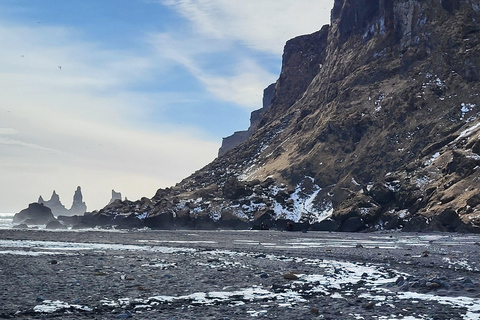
point(374, 124)
point(115, 196)
point(78, 206)
point(54, 204)
point(35, 214)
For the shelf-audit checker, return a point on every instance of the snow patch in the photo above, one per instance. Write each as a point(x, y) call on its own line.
point(304, 206)
point(432, 159)
point(49, 306)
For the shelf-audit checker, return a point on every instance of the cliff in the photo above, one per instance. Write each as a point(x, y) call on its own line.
point(373, 125)
point(256, 117)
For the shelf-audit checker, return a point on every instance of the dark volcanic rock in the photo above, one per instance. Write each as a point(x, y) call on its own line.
point(35, 214)
point(353, 224)
point(55, 224)
point(372, 124)
point(161, 221)
point(70, 220)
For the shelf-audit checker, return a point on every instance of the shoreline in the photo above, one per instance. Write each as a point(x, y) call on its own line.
point(238, 275)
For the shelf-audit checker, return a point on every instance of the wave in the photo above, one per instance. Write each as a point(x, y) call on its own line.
point(6, 215)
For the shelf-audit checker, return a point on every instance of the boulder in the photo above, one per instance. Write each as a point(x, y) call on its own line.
point(353, 224)
point(474, 200)
point(70, 220)
point(21, 226)
point(325, 225)
point(129, 222)
point(234, 189)
point(160, 221)
point(55, 224)
point(381, 194)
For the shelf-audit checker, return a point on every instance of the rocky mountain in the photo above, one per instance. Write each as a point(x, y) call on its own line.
point(78, 206)
point(373, 124)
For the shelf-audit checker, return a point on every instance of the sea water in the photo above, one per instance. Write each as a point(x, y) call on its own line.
point(6, 220)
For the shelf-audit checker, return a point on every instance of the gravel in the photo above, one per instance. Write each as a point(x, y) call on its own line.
point(191, 274)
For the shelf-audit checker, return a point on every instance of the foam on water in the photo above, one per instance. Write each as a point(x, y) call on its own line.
point(22, 245)
point(6, 220)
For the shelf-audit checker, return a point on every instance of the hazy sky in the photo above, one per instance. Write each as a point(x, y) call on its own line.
point(131, 95)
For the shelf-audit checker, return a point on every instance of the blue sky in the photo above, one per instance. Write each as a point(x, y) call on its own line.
point(131, 95)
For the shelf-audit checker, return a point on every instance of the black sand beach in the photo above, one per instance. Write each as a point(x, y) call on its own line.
point(238, 275)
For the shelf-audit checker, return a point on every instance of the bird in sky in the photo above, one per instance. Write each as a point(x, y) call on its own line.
point(60, 67)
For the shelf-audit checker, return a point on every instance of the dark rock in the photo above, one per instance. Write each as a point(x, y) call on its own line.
point(128, 222)
point(21, 226)
point(369, 305)
point(125, 315)
point(290, 276)
point(353, 224)
point(234, 189)
point(325, 225)
point(381, 194)
point(476, 147)
point(415, 224)
point(55, 224)
point(449, 220)
point(161, 221)
point(451, 5)
point(400, 281)
point(35, 214)
point(70, 220)
point(462, 165)
point(474, 200)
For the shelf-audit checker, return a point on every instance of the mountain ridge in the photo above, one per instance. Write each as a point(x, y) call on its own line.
point(373, 125)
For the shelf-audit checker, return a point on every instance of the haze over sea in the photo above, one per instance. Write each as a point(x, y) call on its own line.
point(6, 220)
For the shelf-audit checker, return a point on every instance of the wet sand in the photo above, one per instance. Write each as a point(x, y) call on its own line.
point(238, 275)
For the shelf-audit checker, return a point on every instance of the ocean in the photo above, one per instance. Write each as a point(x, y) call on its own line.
point(6, 220)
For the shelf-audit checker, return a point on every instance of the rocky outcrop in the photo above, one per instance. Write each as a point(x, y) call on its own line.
point(35, 214)
point(78, 206)
point(374, 124)
point(256, 117)
point(54, 204)
point(115, 196)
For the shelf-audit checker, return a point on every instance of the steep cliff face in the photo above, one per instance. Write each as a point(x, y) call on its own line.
point(256, 118)
point(373, 124)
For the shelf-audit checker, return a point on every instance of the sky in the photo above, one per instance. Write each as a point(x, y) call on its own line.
point(131, 95)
